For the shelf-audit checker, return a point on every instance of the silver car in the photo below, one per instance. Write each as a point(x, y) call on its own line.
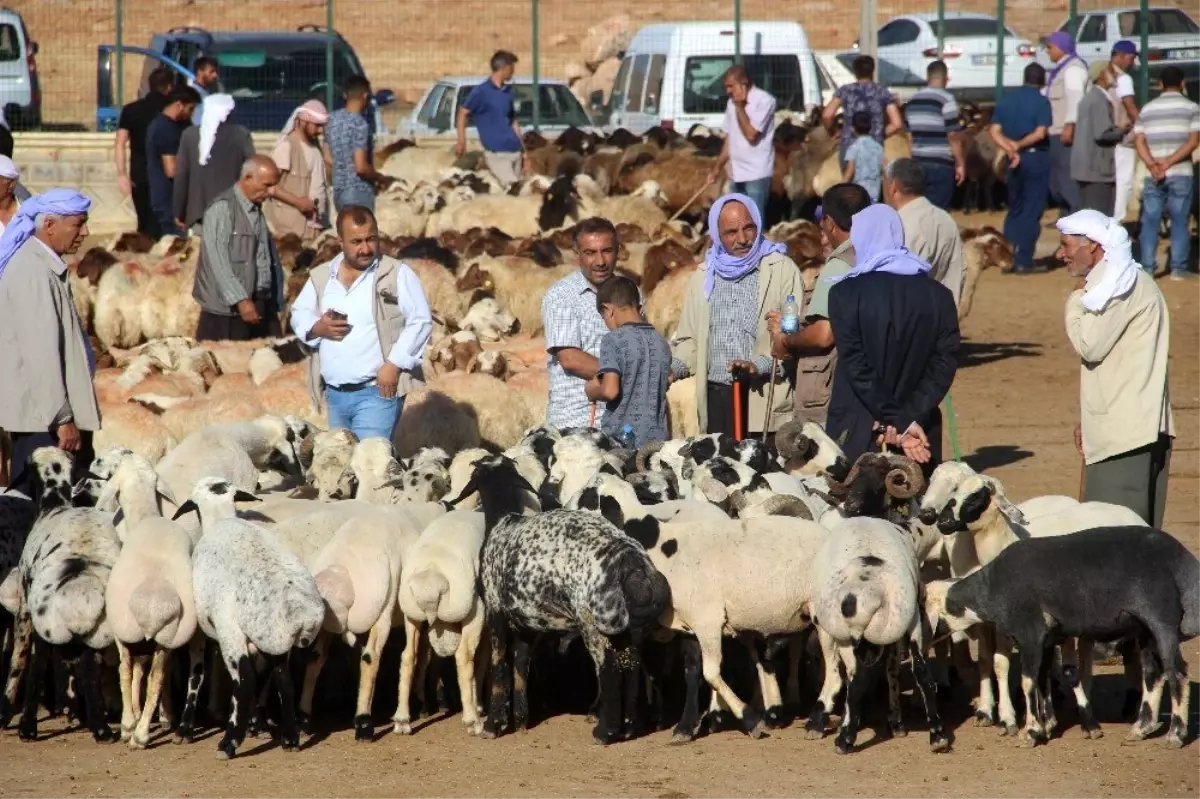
point(910, 43)
point(437, 110)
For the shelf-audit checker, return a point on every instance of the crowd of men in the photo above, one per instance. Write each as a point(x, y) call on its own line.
point(872, 358)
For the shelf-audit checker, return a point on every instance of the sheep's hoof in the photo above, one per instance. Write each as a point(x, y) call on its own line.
point(1009, 728)
point(126, 732)
point(489, 733)
point(939, 740)
point(1093, 732)
point(844, 743)
point(1175, 740)
point(27, 732)
point(136, 742)
point(364, 730)
point(682, 737)
point(897, 729)
point(983, 719)
point(775, 717)
point(104, 734)
point(814, 728)
point(604, 736)
point(402, 727)
point(1028, 739)
point(290, 743)
point(304, 722)
point(720, 720)
point(474, 728)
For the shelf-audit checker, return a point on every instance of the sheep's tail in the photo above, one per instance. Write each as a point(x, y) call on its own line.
point(877, 609)
point(78, 609)
point(431, 596)
point(1188, 579)
point(645, 591)
point(157, 608)
point(336, 588)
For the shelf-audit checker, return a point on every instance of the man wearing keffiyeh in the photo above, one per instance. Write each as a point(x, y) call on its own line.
point(723, 327)
point(297, 204)
point(1119, 325)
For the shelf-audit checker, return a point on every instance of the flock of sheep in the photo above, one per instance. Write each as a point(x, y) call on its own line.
point(254, 546)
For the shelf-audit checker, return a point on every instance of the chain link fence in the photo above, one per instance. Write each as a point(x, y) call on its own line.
point(71, 64)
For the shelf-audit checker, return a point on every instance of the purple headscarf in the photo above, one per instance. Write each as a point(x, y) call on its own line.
point(1063, 41)
point(720, 261)
point(878, 238)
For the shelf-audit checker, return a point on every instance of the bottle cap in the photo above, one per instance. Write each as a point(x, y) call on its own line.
point(791, 298)
point(627, 428)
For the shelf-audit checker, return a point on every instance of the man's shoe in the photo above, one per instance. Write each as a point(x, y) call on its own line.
point(1183, 274)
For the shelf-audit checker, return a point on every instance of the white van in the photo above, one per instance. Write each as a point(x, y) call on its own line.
point(672, 74)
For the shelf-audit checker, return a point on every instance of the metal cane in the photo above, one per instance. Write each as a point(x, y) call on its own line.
point(737, 406)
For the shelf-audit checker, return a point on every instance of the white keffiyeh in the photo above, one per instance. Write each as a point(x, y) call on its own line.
point(217, 108)
point(1120, 270)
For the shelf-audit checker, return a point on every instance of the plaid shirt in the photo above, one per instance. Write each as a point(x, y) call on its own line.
point(733, 326)
point(570, 318)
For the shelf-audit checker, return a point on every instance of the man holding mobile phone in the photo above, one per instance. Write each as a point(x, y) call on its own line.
point(749, 151)
point(366, 317)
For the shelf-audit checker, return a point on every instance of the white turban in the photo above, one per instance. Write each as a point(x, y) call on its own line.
point(1120, 270)
point(8, 169)
point(217, 108)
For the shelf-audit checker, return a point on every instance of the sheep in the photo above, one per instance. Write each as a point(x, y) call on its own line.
point(148, 599)
point(519, 285)
point(440, 601)
point(664, 305)
point(234, 451)
point(728, 483)
point(867, 600)
point(518, 216)
point(488, 320)
point(116, 315)
point(709, 566)
point(182, 419)
point(1121, 582)
point(983, 523)
point(63, 571)
point(252, 596)
point(617, 500)
point(328, 468)
point(982, 249)
point(612, 595)
point(497, 411)
point(807, 450)
point(132, 426)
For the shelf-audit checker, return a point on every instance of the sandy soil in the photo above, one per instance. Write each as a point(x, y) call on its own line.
point(1016, 398)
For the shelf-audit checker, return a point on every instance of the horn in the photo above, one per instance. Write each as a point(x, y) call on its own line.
point(790, 440)
point(905, 479)
point(714, 491)
point(644, 453)
point(786, 505)
point(737, 500)
point(840, 489)
point(304, 452)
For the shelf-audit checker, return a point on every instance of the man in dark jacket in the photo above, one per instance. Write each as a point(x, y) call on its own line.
point(897, 339)
point(211, 155)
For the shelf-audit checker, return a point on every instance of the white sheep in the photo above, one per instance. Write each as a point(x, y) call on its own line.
point(254, 597)
point(328, 455)
point(440, 600)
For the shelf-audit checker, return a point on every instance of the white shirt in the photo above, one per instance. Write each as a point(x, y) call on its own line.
point(1124, 85)
point(357, 358)
point(749, 161)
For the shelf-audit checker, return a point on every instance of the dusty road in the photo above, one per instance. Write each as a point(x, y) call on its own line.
point(1016, 396)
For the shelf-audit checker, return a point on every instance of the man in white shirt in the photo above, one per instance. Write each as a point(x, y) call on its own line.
point(354, 311)
point(1125, 109)
point(1065, 87)
point(749, 150)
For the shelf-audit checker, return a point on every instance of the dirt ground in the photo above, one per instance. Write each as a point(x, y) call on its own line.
point(1016, 399)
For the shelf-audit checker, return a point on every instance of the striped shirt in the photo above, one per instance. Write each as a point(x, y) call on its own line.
point(570, 319)
point(733, 326)
point(1166, 122)
point(930, 115)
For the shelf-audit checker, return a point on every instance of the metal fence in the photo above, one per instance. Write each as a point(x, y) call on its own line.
point(70, 78)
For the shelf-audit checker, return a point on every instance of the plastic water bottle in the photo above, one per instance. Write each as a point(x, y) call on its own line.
point(789, 322)
point(627, 439)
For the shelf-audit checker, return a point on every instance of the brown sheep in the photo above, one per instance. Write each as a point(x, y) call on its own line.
point(131, 241)
point(660, 259)
point(982, 249)
point(680, 174)
point(665, 304)
point(434, 419)
point(519, 286)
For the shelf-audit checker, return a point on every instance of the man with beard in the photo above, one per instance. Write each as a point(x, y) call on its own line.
point(298, 203)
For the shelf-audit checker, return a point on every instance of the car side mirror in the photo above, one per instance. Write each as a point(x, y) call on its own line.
point(33, 48)
point(384, 97)
point(596, 99)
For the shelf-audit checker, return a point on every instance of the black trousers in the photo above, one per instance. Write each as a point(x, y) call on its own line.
point(23, 445)
point(720, 408)
point(146, 221)
point(215, 327)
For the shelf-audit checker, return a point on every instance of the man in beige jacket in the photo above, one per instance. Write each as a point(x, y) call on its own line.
point(929, 231)
point(46, 395)
point(723, 328)
point(1118, 322)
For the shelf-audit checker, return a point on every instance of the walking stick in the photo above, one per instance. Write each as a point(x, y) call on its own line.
point(737, 407)
point(691, 200)
point(770, 398)
point(952, 423)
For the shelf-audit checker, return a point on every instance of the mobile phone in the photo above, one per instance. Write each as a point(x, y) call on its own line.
point(338, 315)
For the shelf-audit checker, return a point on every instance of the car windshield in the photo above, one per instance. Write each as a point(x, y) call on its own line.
point(704, 81)
point(282, 70)
point(558, 105)
point(970, 28)
point(1167, 21)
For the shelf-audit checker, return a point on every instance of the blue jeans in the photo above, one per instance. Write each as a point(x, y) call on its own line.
point(1028, 188)
point(359, 195)
point(363, 412)
point(756, 190)
point(939, 182)
point(1175, 195)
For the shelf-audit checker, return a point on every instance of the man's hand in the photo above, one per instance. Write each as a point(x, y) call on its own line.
point(1079, 438)
point(248, 312)
point(125, 183)
point(774, 323)
point(69, 439)
point(915, 444)
point(306, 206)
point(460, 147)
point(1068, 135)
point(1014, 159)
point(329, 327)
point(747, 368)
point(181, 224)
point(526, 164)
point(387, 379)
point(716, 173)
point(960, 173)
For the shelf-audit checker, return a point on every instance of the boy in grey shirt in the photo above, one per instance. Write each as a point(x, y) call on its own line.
point(635, 366)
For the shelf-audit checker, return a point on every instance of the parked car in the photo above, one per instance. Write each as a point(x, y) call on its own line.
point(437, 111)
point(910, 43)
point(1174, 39)
point(837, 69)
point(20, 92)
point(268, 73)
point(672, 74)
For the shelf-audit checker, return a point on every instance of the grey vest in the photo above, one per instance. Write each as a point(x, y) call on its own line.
point(243, 251)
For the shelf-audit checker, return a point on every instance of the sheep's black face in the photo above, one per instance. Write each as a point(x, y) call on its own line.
point(948, 522)
point(975, 504)
point(839, 469)
point(724, 474)
point(928, 516)
point(756, 455)
point(867, 495)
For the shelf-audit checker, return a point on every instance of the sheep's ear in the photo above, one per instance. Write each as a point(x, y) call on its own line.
point(187, 507)
point(245, 496)
point(165, 492)
point(1011, 511)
